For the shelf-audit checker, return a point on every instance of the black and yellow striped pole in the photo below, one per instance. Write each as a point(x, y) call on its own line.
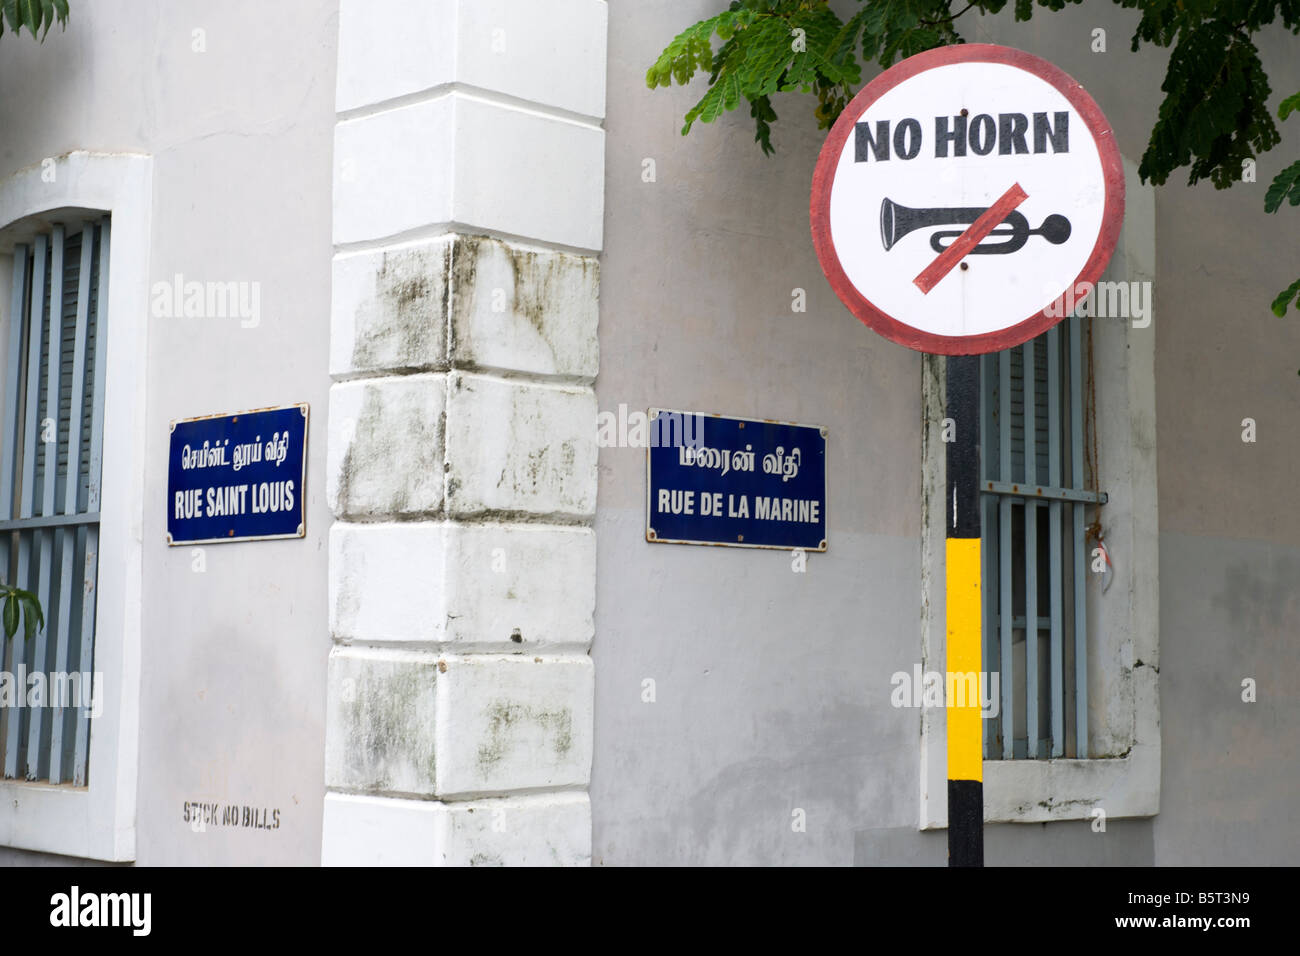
point(965, 743)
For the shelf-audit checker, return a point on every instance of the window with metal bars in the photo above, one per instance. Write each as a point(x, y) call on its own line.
point(1033, 453)
point(51, 440)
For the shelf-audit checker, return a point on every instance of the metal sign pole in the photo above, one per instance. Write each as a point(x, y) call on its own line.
point(965, 743)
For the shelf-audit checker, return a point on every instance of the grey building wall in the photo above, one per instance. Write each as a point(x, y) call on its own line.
point(232, 689)
point(772, 686)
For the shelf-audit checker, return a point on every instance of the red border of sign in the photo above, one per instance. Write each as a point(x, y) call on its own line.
point(823, 178)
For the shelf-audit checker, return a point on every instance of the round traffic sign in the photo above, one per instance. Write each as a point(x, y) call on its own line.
point(964, 196)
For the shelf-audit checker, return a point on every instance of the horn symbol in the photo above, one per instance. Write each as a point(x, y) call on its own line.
point(896, 221)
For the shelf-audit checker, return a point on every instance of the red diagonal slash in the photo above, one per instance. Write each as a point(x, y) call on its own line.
point(969, 239)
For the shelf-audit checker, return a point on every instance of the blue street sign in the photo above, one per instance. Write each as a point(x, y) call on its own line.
point(237, 477)
point(735, 481)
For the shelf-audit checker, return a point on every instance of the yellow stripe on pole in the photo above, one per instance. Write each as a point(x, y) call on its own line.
point(965, 744)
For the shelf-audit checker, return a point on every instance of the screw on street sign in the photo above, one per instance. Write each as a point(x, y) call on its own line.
point(963, 195)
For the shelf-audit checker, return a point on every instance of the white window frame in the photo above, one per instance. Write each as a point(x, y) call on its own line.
point(1123, 779)
point(98, 821)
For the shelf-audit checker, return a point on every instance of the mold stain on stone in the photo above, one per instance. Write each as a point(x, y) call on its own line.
point(534, 284)
point(398, 324)
point(382, 433)
point(377, 727)
point(542, 283)
point(505, 719)
point(462, 271)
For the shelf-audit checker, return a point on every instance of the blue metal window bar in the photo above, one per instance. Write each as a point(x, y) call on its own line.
point(51, 445)
point(1034, 547)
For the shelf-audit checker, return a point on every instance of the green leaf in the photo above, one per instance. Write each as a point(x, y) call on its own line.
point(31, 609)
point(760, 108)
point(722, 96)
point(768, 48)
point(846, 40)
point(1284, 299)
point(32, 15)
point(11, 615)
point(11, 14)
point(1215, 113)
point(822, 62)
point(690, 51)
point(877, 18)
point(1285, 186)
point(1288, 106)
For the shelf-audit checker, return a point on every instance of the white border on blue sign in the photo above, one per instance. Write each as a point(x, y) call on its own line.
point(303, 407)
point(652, 413)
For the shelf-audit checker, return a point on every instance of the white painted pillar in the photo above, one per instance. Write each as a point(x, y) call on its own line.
point(468, 206)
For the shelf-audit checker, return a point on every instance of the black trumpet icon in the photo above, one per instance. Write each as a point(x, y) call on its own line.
point(1010, 236)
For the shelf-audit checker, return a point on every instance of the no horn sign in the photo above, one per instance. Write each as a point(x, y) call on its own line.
point(961, 197)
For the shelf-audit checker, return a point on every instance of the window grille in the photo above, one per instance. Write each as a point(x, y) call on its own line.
point(1034, 545)
point(51, 441)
